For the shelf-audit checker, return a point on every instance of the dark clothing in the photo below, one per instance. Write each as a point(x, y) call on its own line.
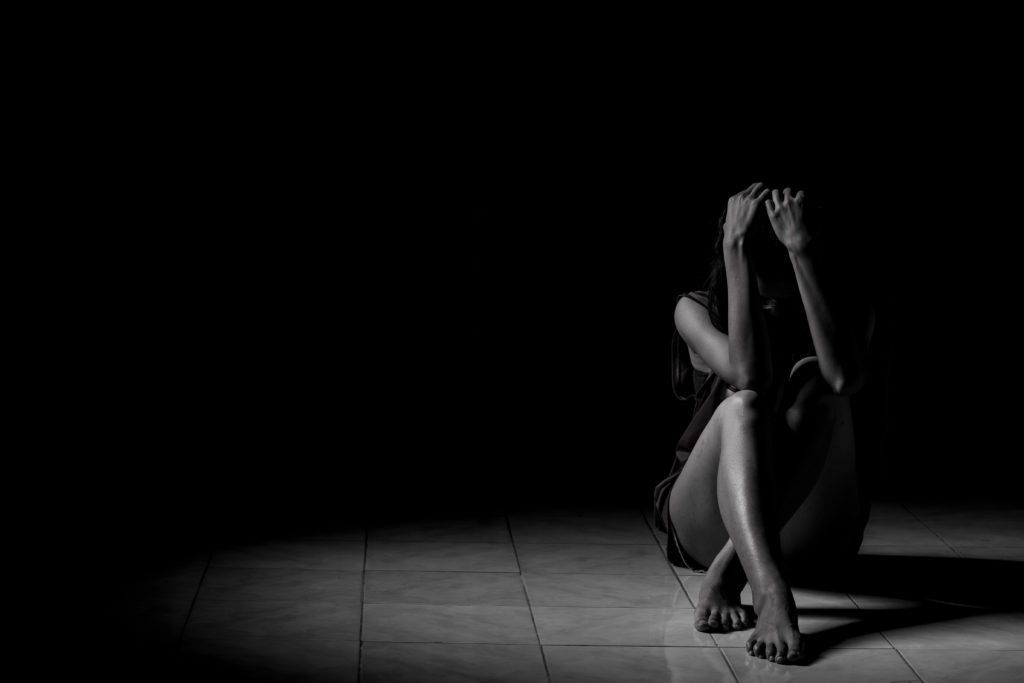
point(790, 342)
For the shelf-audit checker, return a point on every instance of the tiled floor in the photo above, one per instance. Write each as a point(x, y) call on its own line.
point(576, 595)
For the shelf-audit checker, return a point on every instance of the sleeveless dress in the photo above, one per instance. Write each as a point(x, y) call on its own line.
point(790, 343)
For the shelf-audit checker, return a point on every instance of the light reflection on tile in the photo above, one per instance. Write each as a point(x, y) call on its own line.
point(804, 597)
point(886, 602)
point(448, 662)
point(448, 624)
point(907, 550)
point(441, 556)
point(979, 528)
point(834, 666)
point(611, 664)
point(992, 631)
point(295, 554)
point(899, 531)
point(592, 559)
point(235, 583)
point(967, 666)
point(820, 628)
point(604, 590)
point(493, 529)
point(270, 659)
point(618, 626)
point(445, 588)
point(991, 553)
point(274, 618)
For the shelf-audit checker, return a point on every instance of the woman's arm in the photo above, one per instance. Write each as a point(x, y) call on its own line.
point(840, 342)
point(742, 357)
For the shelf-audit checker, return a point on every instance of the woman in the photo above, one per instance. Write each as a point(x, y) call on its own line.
point(773, 349)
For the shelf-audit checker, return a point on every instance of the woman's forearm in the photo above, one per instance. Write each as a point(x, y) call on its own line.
point(748, 340)
point(840, 355)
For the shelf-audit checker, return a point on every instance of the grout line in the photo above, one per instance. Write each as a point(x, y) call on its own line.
point(728, 664)
point(934, 533)
point(192, 605)
point(905, 660)
point(362, 602)
point(671, 567)
point(526, 593)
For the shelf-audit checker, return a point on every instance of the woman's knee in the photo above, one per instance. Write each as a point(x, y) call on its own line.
point(814, 410)
point(742, 407)
point(811, 399)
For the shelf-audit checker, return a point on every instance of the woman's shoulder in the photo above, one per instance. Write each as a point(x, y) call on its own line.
point(699, 295)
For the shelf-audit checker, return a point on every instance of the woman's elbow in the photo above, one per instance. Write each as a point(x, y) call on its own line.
point(845, 384)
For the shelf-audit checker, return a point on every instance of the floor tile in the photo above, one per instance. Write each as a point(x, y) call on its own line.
point(592, 559)
point(448, 624)
point(307, 554)
point(445, 588)
point(804, 597)
point(618, 626)
point(235, 583)
point(974, 528)
point(683, 571)
point(450, 662)
point(967, 666)
point(886, 602)
point(228, 619)
point(834, 666)
point(493, 529)
point(604, 590)
point(907, 550)
point(899, 531)
point(441, 556)
point(236, 659)
point(629, 529)
point(823, 631)
point(990, 553)
point(998, 631)
point(611, 664)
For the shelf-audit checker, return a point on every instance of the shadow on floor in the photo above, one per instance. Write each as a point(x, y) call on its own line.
point(946, 588)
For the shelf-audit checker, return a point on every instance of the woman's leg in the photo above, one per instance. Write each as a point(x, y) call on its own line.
point(811, 489)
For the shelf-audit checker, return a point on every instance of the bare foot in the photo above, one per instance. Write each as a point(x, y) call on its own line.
point(776, 636)
point(718, 607)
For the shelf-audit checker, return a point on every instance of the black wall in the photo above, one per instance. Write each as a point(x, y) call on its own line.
point(484, 314)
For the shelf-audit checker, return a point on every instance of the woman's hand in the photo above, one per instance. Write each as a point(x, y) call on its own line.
point(786, 214)
point(740, 213)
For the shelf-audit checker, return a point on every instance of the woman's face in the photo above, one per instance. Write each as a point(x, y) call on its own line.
point(778, 287)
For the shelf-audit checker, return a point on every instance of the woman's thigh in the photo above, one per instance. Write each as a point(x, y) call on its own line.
point(824, 523)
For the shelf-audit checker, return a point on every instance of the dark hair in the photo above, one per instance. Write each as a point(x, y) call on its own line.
point(768, 254)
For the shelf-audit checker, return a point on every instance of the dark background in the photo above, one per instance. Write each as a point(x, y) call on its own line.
point(473, 306)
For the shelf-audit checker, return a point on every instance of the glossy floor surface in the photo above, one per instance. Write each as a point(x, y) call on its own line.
point(570, 594)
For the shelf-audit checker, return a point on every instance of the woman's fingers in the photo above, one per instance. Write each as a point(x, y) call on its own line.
point(758, 198)
point(750, 191)
point(787, 194)
point(776, 198)
point(799, 196)
point(770, 205)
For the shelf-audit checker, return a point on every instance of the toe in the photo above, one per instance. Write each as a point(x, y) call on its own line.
point(759, 649)
point(769, 651)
